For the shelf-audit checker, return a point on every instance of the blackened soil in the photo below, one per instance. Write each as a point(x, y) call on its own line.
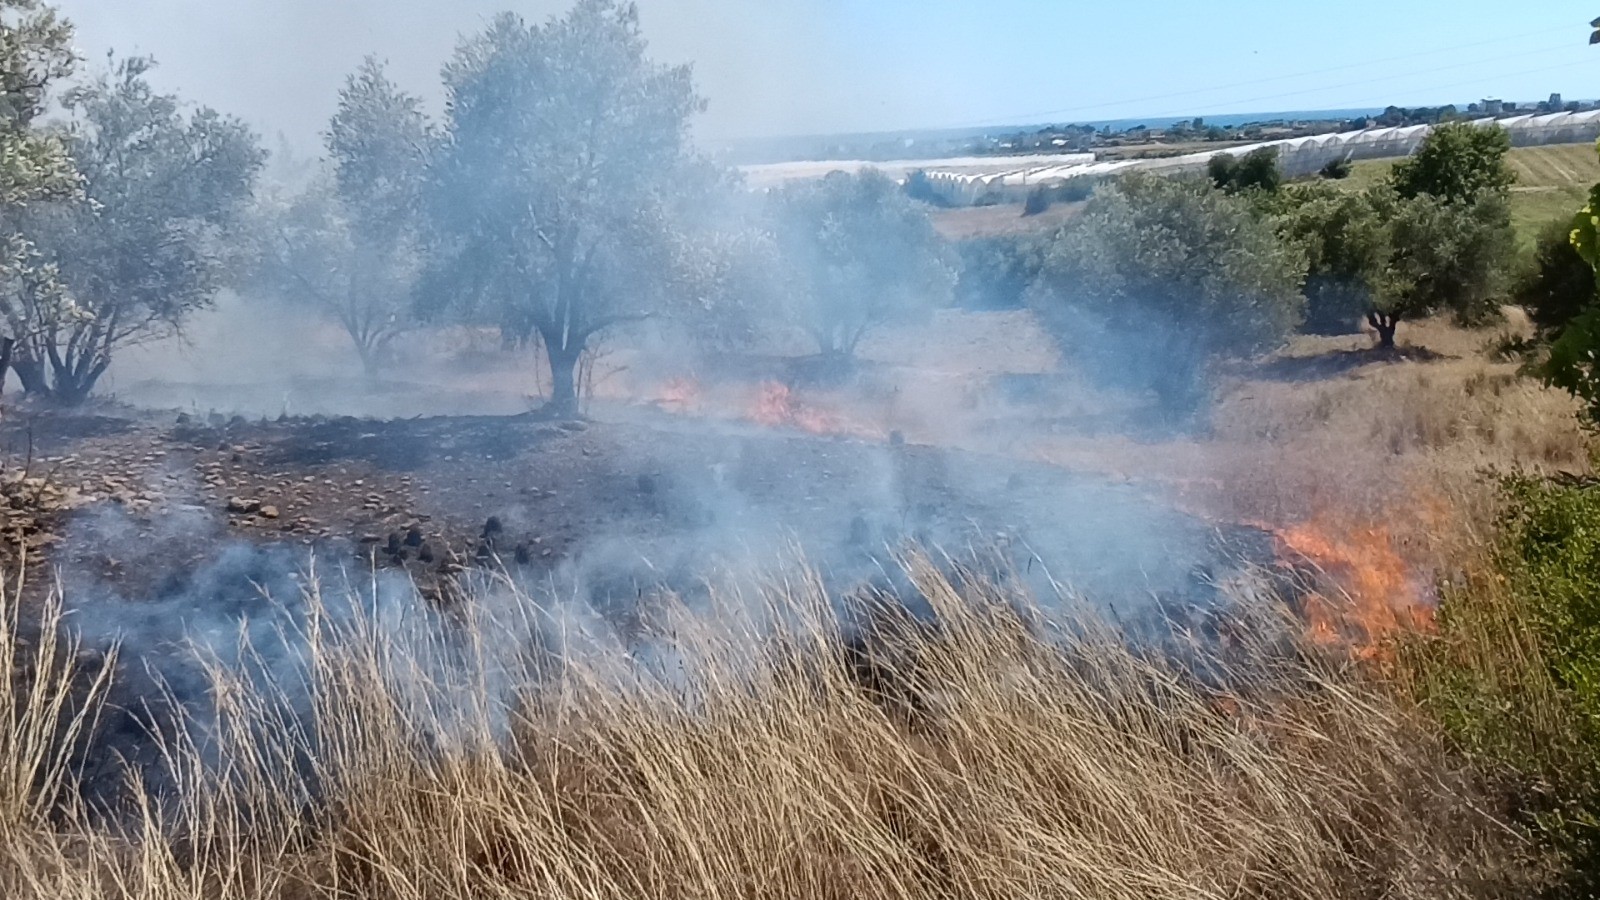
point(152, 495)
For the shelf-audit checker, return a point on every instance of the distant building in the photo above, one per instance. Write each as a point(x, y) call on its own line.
point(1493, 107)
point(1555, 102)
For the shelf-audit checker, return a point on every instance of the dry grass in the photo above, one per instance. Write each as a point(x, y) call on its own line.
point(999, 757)
point(1330, 431)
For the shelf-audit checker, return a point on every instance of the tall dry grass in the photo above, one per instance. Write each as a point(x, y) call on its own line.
point(746, 753)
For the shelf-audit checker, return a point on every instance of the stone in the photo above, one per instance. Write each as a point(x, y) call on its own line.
point(269, 512)
point(241, 506)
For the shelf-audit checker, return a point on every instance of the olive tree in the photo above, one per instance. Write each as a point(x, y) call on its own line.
point(1457, 163)
point(151, 240)
point(1444, 257)
point(35, 168)
point(856, 254)
point(1344, 235)
point(563, 154)
point(352, 243)
point(1160, 276)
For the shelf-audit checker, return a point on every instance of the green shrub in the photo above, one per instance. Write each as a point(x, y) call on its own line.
point(1038, 201)
point(995, 272)
point(920, 188)
point(1514, 673)
point(1337, 169)
point(1558, 285)
point(1162, 276)
point(1258, 170)
point(1345, 238)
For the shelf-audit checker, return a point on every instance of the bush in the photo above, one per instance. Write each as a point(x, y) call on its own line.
point(1160, 276)
point(918, 187)
point(1337, 169)
point(1038, 201)
point(995, 272)
point(1514, 675)
point(1073, 190)
point(1558, 284)
point(1257, 171)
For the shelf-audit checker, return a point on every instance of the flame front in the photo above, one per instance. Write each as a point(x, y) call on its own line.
point(679, 395)
point(776, 406)
point(1379, 595)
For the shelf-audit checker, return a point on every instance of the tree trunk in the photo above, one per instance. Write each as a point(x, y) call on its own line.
point(8, 349)
point(73, 384)
point(30, 372)
point(563, 379)
point(1385, 324)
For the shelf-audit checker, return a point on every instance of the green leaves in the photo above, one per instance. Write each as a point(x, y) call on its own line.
point(1458, 163)
point(151, 240)
point(1160, 275)
point(1574, 361)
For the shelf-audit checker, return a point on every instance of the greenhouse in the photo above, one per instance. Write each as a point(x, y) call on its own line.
point(1298, 157)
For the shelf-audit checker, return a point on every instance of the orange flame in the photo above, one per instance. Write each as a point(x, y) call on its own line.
point(680, 395)
point(1379, 596)
point(776, 406)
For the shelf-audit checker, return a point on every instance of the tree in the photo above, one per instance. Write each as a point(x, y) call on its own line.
point(351, 244)
point(1443, 257)
point(919, 186)
point(1574, 361)
point(996, 271)
point(1161, 275)
point(35, 53)
point(1458, 163)
point(1558, 284)
point(857, 254)
point(1258, 170)
point(1345, 238)
point(564, 152)
point(1337, 169)
point(150, 242)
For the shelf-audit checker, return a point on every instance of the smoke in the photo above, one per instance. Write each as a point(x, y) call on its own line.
point(686, 516)
point(768, 68)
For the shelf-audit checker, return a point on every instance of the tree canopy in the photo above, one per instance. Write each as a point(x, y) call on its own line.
point(149, 243)
point(352, 243)
point(564, 151)
point(1344, 235)
point(1161, 275)
point(1258, 171)
point(856, 253)
point(35, 53)
point(1457, 163)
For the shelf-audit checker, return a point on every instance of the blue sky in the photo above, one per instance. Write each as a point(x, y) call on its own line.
point(807, 66)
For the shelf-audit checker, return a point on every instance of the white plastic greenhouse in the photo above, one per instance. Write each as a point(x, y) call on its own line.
point(1298, 156)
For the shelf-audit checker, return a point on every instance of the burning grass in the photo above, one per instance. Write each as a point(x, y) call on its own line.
point(992, 756)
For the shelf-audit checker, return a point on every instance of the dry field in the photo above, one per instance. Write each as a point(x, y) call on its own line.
point(769, 732)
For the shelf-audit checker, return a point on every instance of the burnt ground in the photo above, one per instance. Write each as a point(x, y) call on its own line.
point(165, 529)
point(131, 500)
